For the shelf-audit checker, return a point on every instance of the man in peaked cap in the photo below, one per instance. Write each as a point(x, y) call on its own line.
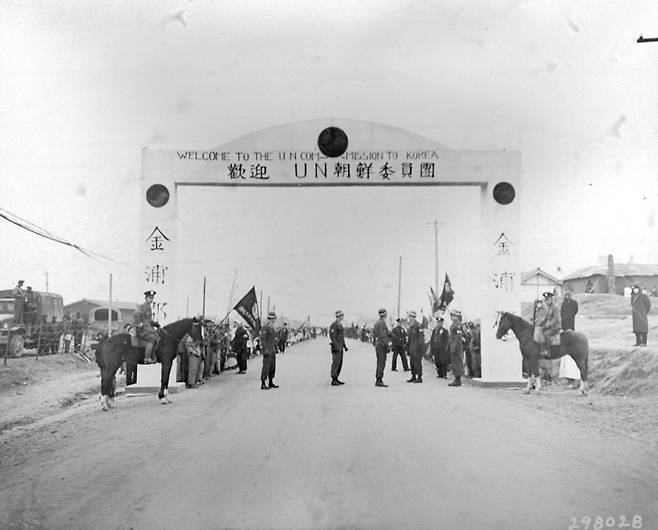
point(268, 349)
point(145, 334)
point(399, 340)
point(415, 344)
point(381, 336)
point(337, 337)
point(440, 348)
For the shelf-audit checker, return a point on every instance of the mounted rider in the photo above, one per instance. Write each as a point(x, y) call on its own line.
point(548, 321)
point(145, 335)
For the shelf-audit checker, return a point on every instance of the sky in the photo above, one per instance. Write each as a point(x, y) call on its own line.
point(85, 85)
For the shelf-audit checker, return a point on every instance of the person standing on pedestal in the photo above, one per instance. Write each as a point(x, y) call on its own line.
point(381, 338)
point(268, 348)
point(337, 337)
point(415, 343)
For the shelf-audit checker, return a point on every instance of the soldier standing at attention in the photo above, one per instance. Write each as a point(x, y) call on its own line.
point(415, 343)
point(268, 347)
point(337, 337)
point(145, 332)
point(239, 345)
point(456, 348)
point(381, 337)
point(399, 339)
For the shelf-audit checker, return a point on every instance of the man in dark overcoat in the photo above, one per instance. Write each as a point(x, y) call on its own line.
point(399, 344)
point(456, 348)
point(337, 338)
point(268, 346)
point(440, 348)
point(415, 346)
point(641, 305)
point(568, 312)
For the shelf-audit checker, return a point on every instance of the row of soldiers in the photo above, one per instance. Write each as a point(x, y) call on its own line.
point(49, 334)
point(447, 347)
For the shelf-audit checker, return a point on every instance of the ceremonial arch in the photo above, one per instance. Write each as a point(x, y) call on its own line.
point(336, 152)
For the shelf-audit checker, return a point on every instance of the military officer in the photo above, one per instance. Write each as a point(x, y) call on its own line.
point(381, 338)
point(456, 348)
point(337, 337)
point(282, 338)
point(415, 343)
point(146, 334)
point(268, 348)
point(399, 340)
point(440, 348)
point(239, 345)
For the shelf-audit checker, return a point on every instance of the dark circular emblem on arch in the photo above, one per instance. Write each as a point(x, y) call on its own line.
point(504, 193)
point(157, 195)
point(332, 142)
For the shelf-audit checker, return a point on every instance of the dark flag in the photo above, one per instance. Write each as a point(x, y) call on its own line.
point(247, 308)
point(446, 295)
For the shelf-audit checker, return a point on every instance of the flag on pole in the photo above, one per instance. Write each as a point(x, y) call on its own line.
point(446, 295)
point(435, 303)
point(248, 309)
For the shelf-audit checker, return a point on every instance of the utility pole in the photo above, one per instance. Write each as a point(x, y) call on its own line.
point(109, 314)
point(436, 253)
point(230, 298)
point(47, 281)
point(260, 306)
point(203, 312)
point(399, 284)
point(187, 308)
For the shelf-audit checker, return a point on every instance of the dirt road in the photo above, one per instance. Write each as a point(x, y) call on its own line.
point(308, 455)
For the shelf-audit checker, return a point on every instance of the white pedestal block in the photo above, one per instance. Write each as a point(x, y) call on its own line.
point(148, 379)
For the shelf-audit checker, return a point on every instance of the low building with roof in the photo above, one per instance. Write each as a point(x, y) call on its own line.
point(594, 279)
point(536, 282)
point(96, 312)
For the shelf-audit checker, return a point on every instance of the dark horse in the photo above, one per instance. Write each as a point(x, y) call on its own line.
point(111, 352)
point(571, 343)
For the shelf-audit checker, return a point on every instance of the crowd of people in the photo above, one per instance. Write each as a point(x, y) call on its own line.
point(456, 349)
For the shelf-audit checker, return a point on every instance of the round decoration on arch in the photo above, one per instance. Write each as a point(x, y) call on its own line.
point(332, 142)
point(504, 193)
point(157, 195)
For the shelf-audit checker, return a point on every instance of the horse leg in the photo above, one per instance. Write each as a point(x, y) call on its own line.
point(164, 382)
point(581, 362)
point(108, 382)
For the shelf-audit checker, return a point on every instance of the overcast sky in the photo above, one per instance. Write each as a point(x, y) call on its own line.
point(85, 85)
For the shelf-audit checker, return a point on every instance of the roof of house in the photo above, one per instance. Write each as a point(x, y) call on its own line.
point(104, 303)
point(525, 276)
point(621, 270)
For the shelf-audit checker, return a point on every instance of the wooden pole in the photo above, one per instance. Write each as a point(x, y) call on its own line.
point(260, 306)
point(399, 284)
point(109, 316)
point(436, 256)
point(203, 312)
point(187, 308)
point(46, 281)
point(230, 298)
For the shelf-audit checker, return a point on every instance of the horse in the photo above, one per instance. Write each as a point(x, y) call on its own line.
point(116, 349)
point(572, 343)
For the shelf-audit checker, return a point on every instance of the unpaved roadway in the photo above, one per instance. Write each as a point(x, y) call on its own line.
point(308, 455)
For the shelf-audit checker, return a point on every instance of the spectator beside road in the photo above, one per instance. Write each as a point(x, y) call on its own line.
point(568, 312)
point(192, 343)
point(78, 330)
point(641, 305)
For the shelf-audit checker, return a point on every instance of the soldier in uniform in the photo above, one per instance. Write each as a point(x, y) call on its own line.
point(282, 339)
point(381, 338)
point(399, 340)
point(19, 302)
point(640, 305)
point(146, 334)
point(31, 309)
point(440, 348)
point(268, 347)
point(415, 343)
point(456, 348)
point(337, 337)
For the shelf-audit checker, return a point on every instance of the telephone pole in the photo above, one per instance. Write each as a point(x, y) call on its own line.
point(399, 284)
